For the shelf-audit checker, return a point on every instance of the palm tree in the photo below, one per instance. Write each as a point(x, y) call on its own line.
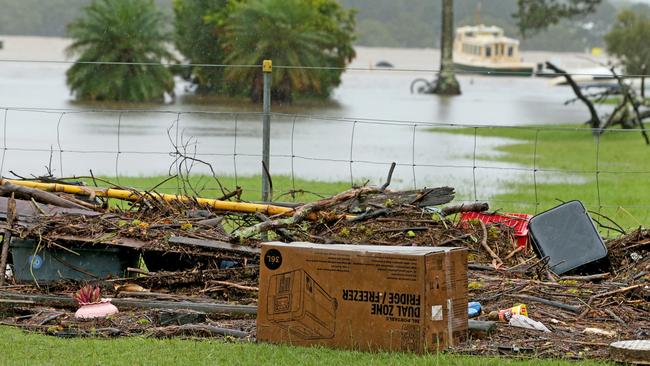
point(447, 83)
point(118, 32)
point(289, 32)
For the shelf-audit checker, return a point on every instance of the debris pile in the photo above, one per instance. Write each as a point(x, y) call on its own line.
point(196, 264)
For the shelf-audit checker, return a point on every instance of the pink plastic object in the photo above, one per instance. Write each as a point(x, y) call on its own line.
point(98, 310)
point(517, 221)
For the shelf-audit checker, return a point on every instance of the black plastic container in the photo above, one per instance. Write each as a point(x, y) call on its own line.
point(568, 236)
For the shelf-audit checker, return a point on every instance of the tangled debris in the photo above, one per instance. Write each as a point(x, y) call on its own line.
point(201, 272)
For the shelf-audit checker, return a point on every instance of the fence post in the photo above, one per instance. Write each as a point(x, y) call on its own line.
point(267, 68)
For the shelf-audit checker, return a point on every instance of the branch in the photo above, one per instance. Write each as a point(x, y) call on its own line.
point(302, 213)
point(628, 97)
point(465, 207)
point(595, 119)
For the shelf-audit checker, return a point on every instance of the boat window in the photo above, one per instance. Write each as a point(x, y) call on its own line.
point(488, 51)
point(510, 51)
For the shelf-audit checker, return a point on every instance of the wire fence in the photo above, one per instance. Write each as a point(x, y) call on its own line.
point(123, 143)
point(120, 143)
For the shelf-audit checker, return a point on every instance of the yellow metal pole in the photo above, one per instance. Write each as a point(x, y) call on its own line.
point(127, 195)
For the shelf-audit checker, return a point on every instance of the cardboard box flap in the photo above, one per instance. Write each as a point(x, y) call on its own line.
point(381, 249)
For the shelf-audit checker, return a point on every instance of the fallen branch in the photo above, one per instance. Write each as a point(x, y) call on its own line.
point(557, 304)
point(465, 207)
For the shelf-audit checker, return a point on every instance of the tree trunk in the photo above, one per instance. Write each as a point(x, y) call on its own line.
point(447, 83)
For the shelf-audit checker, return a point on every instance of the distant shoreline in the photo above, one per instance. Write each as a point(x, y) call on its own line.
point(53, 48)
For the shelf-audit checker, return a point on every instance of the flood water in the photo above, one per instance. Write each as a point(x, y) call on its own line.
point(372, 120)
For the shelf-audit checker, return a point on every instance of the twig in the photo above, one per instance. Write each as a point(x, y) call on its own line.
point(613, 315)
point(445, 242)
point(50, 318)
point(598, 276)
point(234, 285)
point(388, 178)
point(484, 244)
point(616, 292)
point(402, 229)
point(515, 251)
point(270, 179)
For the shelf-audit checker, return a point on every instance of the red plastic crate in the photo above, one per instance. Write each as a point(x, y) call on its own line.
point(517, 221)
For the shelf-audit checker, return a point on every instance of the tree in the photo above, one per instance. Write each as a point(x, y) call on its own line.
point(304, 35)
point(536, 15)
point(628, 40)
point(199, 25)
point(447, 83)
point(117, 31)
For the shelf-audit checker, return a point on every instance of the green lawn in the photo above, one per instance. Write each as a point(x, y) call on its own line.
point(206, 186)
point(616, 100)
point(20, 348)
point(618, 190)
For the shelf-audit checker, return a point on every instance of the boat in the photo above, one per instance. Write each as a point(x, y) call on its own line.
point(485, 49)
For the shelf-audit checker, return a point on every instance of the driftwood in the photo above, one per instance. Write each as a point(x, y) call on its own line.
point(465, 207)
point(419, 198)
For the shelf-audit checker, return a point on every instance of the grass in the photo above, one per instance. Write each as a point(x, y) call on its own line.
point(283, 186)
point(20, 348)
point(619, 189)
point(616, 100)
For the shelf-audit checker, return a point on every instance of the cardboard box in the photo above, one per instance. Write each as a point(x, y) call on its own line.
point(363, 297)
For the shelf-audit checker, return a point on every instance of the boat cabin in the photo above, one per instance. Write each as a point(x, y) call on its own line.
point(485, 43)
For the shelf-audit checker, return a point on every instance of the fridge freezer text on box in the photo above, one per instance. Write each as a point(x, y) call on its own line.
point(363, 297)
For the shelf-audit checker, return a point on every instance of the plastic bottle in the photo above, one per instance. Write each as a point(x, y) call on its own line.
point(473, 309)
point(505, 314)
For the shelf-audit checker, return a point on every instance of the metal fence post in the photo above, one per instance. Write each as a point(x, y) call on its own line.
point(267, 68)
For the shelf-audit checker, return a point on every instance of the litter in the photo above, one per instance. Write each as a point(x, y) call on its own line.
point(193, 256)
point(522, 321)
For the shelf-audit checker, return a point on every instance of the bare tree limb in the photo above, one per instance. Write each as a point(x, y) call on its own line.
point(594, 122)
